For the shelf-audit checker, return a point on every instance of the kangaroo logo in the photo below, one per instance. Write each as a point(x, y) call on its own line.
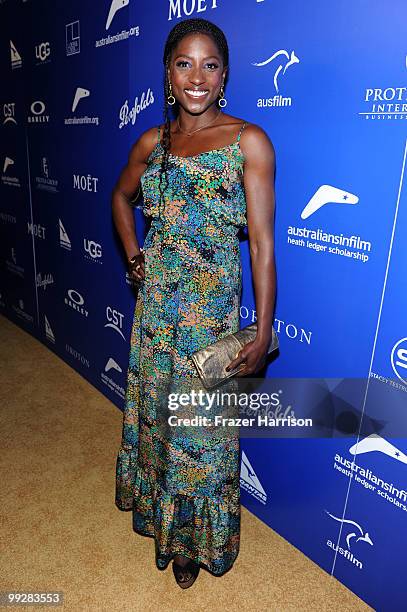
point(326, 194)
point(363, 537)
point(292, 59)
point(79, 94)
point(114, 7)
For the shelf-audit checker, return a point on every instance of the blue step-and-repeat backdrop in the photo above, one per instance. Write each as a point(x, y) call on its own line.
point(327, 80)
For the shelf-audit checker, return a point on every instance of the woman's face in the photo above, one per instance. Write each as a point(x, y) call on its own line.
point(196, 72)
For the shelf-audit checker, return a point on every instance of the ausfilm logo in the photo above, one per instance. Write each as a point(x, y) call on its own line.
point(279, 63)
point(249, 480)
point(185, 8)
point(127, 114)
point(325, 242)
point(9, 113)
point(124, 34)
point(76, 301)
point(290, 330)
point(38, 113)
point(8, 176)
point(109, 375)
point(385, 103)
point(356, 536)
point(367, 450)
point(15, 57)
point(45, 182)
point(80, 94)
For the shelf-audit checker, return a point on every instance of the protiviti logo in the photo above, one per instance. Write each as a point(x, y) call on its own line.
point(281, 61)
point(250, 482)
point(327, 242)
point(388, 103)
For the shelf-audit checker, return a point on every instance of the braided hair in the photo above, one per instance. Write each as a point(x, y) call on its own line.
point(178, 32)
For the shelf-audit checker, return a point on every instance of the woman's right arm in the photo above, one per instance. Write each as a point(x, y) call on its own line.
point(126, 187)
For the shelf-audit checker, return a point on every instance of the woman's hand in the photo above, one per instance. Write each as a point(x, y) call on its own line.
point(136, 268)
point(253, 355)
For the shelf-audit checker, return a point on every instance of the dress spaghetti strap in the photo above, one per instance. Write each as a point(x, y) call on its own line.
point(241, 130)
point(158, 136)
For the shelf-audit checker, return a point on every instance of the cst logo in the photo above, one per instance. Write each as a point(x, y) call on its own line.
point(115, 319)
point(399, 360)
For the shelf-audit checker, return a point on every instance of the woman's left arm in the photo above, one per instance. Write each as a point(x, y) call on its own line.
point(259, 172)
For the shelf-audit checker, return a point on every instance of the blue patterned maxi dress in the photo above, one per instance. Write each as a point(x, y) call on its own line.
point(184, 491)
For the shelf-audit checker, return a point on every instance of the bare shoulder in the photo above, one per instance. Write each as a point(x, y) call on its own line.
point(256, 143)
point(144, 145)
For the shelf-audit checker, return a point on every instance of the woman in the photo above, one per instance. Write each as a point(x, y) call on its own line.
point(204, 175)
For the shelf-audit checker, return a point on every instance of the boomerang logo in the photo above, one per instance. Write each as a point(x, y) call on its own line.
point(328, 194)
point(114, 7)
point(292, 59)
point(79, 94)
point(363, 537)
point(7, 162)
point(374, 442)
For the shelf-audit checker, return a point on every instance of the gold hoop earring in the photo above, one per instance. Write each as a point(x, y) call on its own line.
point(222, 100)
point(171, 100)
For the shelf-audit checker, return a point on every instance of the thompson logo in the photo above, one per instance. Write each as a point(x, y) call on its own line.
point(249, 480)
point(281, 60)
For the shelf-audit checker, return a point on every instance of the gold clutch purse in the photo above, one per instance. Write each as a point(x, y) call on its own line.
point(212, 360)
